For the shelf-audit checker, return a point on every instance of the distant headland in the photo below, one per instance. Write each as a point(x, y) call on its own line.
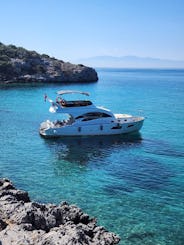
point(132, 62)
point(18, 65)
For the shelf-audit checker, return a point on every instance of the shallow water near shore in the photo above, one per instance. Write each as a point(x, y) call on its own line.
point(133, 184)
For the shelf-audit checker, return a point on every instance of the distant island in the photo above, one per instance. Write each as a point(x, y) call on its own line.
point(18, 65)
point(131, 62)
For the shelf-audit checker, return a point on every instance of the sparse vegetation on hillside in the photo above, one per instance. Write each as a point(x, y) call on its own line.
point(20, 65)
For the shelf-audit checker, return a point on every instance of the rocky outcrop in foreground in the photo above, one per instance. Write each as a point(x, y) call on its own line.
point(25, 222)
point(18, 65)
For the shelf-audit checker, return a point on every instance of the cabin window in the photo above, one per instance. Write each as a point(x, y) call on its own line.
point(93, 115)
point(79, 117)
point(87, 119)
point(118, 126)
point(131, 125)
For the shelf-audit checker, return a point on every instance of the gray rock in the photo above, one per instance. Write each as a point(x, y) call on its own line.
point(5, 184)
point(2, 225)
point(26, 222)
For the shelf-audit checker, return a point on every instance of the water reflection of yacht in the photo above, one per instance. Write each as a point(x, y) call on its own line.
point(84, 149)
point(87, 119)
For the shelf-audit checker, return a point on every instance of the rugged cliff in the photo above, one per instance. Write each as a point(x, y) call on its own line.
point(28, 223)
point(20, 65)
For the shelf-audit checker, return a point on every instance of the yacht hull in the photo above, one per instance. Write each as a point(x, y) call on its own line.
point(46, 130)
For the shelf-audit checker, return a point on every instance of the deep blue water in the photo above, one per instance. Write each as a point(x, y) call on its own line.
point(134, 185)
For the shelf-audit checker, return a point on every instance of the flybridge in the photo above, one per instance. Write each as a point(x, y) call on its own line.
point(73, 103)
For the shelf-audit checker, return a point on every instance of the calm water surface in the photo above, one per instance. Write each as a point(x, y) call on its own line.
point(133, 184)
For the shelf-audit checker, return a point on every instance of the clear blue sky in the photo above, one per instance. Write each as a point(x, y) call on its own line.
point(72, 29)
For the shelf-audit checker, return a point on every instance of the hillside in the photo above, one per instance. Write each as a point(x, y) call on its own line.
point(20, 65)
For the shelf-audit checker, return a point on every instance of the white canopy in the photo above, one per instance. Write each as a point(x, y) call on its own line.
point(61, 92)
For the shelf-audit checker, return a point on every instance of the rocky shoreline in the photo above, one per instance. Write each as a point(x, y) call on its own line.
point(18, 65)
point(28, 223)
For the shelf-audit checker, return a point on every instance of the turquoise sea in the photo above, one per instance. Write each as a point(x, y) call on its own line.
point(134, 185)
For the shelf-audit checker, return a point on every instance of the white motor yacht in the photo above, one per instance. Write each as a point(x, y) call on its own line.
point(86, 119)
